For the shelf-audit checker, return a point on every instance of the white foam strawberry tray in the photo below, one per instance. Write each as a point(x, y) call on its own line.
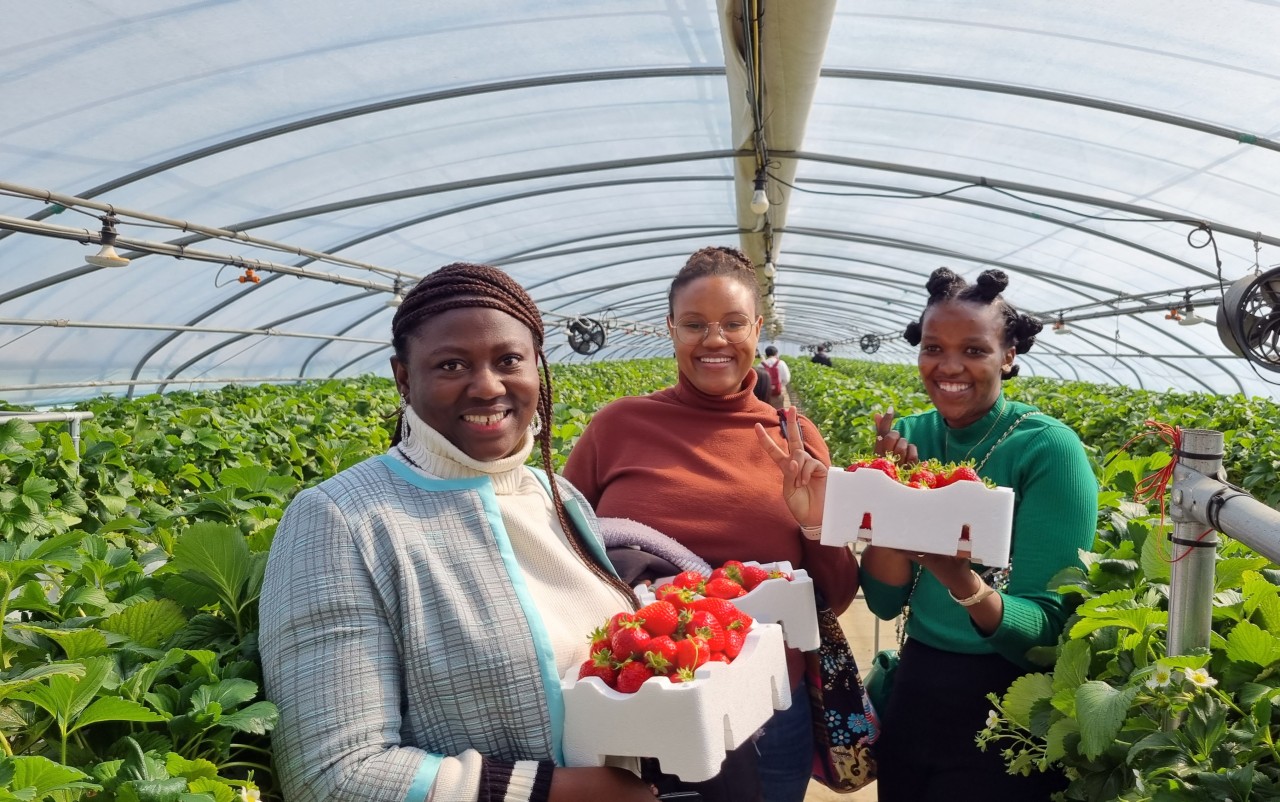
point(687, 726)
point(774, 601)
point(961, 519)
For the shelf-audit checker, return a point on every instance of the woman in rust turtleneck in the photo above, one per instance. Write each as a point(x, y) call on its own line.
point(687, 461)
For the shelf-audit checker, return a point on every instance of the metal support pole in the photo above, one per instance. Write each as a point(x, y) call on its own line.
point(1191, 582)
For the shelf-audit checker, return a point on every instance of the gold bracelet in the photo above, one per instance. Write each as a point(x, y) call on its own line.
point(983, 592)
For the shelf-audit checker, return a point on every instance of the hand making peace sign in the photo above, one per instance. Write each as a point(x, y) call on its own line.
point(804, 477)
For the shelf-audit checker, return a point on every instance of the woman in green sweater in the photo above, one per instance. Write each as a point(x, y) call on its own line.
point(969, 631)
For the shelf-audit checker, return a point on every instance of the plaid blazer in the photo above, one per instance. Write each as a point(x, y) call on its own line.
point(397, 629)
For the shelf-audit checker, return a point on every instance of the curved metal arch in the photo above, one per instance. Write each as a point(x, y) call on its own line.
point(532, 256)
point(357, 322)
point(419, 219)
point(1128, 110)
point(1038, 216)
point(1140, 353)
point(1159, 215)
point(381, 106)
point(364, 356)
point(172, 377)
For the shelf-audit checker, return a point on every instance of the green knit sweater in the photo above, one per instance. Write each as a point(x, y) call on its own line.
point(1055, 516)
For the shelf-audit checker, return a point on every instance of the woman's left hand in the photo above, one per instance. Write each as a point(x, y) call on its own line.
point(804, 477)
point(953, 572)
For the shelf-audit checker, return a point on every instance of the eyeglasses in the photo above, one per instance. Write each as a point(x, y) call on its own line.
point(733, 329)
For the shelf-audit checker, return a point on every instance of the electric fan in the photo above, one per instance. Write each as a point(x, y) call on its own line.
point(870, 343)
point(586, 336)
point(1249, 319)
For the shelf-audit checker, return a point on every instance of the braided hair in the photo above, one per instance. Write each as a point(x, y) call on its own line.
point(1020, 330)
point(462, 285)
point(715, 260)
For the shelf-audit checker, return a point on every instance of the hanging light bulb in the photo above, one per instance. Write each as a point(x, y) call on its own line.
point(760, 198)
point(770, 269)
point(398, 297)
point(106, 255)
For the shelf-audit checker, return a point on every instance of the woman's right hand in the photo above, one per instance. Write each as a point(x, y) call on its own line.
point(892, 443)
point(603, 782)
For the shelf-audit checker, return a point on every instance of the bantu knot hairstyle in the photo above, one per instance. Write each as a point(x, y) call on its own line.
point(462, 285)
point(944, 285)
point(716, 261)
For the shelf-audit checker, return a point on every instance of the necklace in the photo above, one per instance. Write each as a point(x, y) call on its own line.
point(946, 442)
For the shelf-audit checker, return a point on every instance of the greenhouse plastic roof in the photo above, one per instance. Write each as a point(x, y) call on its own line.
point(587, 147)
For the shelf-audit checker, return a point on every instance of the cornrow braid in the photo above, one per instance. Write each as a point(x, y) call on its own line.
point(716, 260)
point(944, 285)
point(464, 285)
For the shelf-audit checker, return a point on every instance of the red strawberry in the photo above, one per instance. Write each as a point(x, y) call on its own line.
point(963, 474)
point(923, 477)
point(617, 621)
point(743, 620)
point(705, 625)
point(600, 665)
point(862, 463)
point(664, 646)
point(866, 521)
point(753, 575)
point(630, 640)
point(885, 465)
point(724, 610)
point(691, 652)
point(678, 598)
point(688, 579)
point(718, 573)
point(681, 675)
point(724, 588)
point(659, 618)
point(632, 675)
point(733, 570)
point(734, 638)
point(599, 638)
point(718, 657)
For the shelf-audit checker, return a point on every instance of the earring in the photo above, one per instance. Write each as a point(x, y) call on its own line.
point(535, 425)
point(404, 419)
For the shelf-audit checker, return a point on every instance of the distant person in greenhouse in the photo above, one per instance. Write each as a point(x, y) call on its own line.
point(779, 378)
point(688, 461)
point(761, 390)
point(820, 356)
point(419, 606)
point(969, 630)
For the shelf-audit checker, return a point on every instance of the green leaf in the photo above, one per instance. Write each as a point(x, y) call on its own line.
point(1023, 693)
point(1101, 709)
point(46, 777)
point(112, 708)
point(179, 766)
point(218, 557)
point(258, 718)
point(149, 623)
point(1251, 644)
point(1072, 668)
point(227, 693)
point(1055, 739)
point(77, 643)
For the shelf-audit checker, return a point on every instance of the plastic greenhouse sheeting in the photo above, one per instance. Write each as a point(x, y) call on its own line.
point(589, 147)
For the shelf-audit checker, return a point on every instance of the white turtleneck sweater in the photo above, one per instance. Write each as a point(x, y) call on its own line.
point(571, 599)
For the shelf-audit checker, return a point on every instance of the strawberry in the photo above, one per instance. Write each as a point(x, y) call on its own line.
point(630, 640)
point(691, 652)
point(963, 474)
point(664, 646)
point(733, 570)
point(723, 609)
point(658, 663)
point(734, 638)
point(600, 665)
point(681, 675)
point(862, 463)
point(705, 625)
point(724, 588)
point(718, 657)
point(885, 465)
point(632, 675)
point(688, 579)
point(866, 521)
point(923, 477)
point(659, 618)
point(781, 575)
point(753, 575)
point(617, 621)
point(599, 639)
point(678, 598)
point(743, 620)
point(718, 573)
